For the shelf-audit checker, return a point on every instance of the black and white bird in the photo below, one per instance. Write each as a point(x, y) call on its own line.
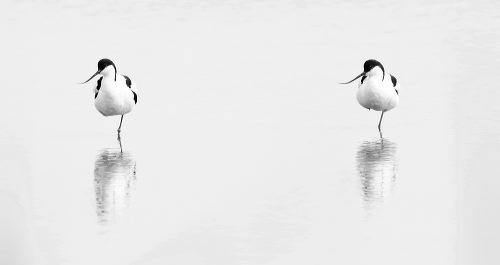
point(114, 94)
point(377, 89)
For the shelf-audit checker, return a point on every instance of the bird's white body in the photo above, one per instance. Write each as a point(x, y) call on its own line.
point(375, 94)
point(114, 97)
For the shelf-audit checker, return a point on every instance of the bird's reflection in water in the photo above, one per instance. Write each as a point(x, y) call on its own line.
point(376, 162)
point(114, 181)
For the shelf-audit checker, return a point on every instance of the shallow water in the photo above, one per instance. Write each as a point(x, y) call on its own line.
point(243, 148)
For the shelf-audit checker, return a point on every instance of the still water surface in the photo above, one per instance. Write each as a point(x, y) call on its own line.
point(243, 148)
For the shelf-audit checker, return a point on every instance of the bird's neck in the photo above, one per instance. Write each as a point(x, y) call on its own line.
point(109, 76)
point(376, 71)
point(109, 72)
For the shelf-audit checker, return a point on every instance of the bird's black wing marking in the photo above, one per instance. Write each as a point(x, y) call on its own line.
point(363, 79)
point(129, 84)
point(128, 81)
point(135, 97)
point(394, 82)
point(98, 87)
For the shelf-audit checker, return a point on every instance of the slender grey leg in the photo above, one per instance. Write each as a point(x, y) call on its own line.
point(120, 127)
point(380, 122)
point(120, 142)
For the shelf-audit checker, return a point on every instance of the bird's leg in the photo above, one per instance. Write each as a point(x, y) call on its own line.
point(120, 142)
point(120, 127)
point(119, 138)
point(380, 122)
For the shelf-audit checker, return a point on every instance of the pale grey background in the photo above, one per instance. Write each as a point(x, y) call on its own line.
point(244, 147)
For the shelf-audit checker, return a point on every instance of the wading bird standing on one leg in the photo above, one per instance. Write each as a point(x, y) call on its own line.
point(377, 90)
point(114, 94)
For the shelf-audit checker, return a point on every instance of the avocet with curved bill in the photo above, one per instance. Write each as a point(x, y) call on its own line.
point(377, 90)
point(114, 94)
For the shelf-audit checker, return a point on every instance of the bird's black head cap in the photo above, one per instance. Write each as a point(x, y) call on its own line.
point(370, 64)
point(103, 63)
point(367, 67)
